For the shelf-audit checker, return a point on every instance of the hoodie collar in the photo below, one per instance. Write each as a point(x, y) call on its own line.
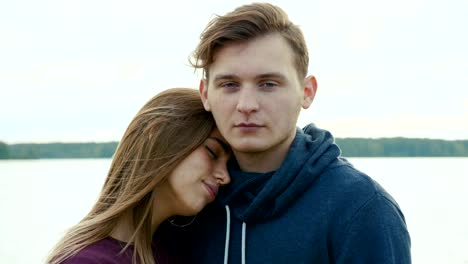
point(254, 197)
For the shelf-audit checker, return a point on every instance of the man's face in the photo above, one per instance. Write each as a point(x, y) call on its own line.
point(255, 94)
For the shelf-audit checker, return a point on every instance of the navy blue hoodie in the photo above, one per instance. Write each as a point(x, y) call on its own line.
point(316, 208)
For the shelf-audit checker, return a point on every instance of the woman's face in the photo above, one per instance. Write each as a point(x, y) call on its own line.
point(194, 182)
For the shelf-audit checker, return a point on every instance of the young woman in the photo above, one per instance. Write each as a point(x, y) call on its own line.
point(170, 161)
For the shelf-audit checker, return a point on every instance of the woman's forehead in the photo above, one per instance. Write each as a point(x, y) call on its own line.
point(216, 135)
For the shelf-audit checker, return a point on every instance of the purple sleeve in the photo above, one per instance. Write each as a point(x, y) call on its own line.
point(83, 259)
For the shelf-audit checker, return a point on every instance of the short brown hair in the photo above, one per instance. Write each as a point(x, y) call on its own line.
point(245, 23)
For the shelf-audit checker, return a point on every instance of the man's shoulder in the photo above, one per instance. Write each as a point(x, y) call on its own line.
point(345, 186)
point(359, 182)
point(346, 176)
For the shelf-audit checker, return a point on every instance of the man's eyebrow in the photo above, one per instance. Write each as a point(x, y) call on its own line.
point(225, 77)
point(274, 75)
point(223, 144)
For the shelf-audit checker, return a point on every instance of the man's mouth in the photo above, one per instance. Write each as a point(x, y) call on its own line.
point(247, 125)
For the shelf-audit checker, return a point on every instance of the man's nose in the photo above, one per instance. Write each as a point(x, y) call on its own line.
point(247, 102)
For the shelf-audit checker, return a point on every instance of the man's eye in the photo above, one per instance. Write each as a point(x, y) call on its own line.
point(268, 84)
point(211, 152)
point(229, 85)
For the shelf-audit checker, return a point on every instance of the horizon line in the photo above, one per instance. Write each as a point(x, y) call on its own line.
point(116, 141)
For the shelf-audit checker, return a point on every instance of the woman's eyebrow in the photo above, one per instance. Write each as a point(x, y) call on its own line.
point(223, 144)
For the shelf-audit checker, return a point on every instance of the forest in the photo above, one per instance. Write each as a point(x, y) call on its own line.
point(350, 147)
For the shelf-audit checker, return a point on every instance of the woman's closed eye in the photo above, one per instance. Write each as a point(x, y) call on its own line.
point(211, 152)
point(216, 148)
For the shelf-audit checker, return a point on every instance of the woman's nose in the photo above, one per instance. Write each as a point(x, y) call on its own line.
point(222, 175)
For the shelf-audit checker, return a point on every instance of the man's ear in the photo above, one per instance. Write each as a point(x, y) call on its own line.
point(310, 88)
point(203, 88)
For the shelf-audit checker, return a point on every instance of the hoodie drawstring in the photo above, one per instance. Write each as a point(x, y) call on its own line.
point(244, 227)
point(228, 233)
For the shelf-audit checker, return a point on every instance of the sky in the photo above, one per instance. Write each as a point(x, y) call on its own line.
point(74, 71)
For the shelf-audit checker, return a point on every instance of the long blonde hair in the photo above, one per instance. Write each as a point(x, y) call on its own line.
point(166, 130)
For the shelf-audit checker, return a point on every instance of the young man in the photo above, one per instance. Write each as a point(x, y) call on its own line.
point(292, 199)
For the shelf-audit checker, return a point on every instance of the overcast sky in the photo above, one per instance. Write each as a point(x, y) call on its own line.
point(79, 70)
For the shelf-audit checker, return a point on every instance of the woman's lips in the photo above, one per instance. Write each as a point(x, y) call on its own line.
point(212, 190)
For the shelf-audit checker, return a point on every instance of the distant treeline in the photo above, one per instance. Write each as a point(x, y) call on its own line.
point(57, 150)
point(402, 147)
point(351, 147)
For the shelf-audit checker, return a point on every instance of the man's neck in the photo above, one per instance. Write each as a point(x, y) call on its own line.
point(265, 161)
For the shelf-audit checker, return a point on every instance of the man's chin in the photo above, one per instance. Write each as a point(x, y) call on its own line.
point(246, 147)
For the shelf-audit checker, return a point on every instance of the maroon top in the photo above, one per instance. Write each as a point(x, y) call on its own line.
point(108, 251)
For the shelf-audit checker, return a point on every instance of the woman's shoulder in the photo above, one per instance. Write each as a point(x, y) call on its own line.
point(83, 259)
point(105, 251)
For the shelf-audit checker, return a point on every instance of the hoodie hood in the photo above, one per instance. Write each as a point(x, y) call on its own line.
point(254, 197)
